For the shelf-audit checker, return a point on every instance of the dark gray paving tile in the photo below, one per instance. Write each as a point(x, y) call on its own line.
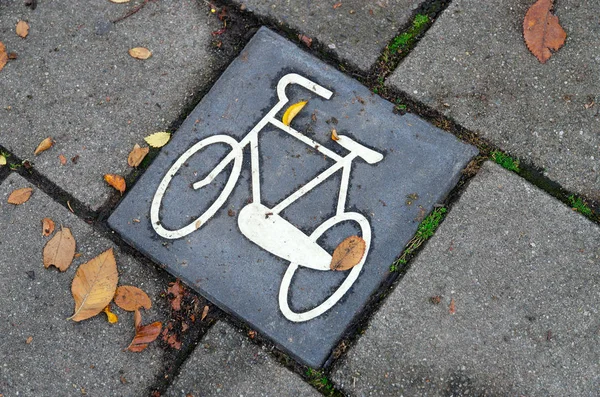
point(474, 67)
point(226, 363)
point(523, 270)
point(223, 258)
point(75, 81)
point(65, 358)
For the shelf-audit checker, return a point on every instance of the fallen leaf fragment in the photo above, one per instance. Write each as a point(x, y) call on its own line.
point(63, 159)
point(3, 56)
point(44, 145)
point(348, 253)
point(19, 196)
point(144, 334)
point(140, 53)
point(337, 5)
point(136, 155)
point(252, 334)
point(292, 111)
point(131, 298)
point(116, 181)
point(204, 313)
point(47, 227)
point(177, 290)
point(158, 139)
point(94, 285)
point(29, 340)
point(305, 39)
point(110, 316)
point(2, 160)
point(334, 135)
point(22, 29)
point(12, 55)
point(60, 250)
point(541, 30)
point(452, 306)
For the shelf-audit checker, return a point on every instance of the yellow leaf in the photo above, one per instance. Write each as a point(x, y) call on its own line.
point(334, 135)
point(110, 316)
point(94, 285)
point(2, 160)
point(22, 29)
point(60, 250)
point(47, 226)
point(116, 181)
point(348, 254)
point(137, 155)
point(158, 139)
point(20, 196)
point(292, 111)
point(140, 53)
point(44, 145)
point(131, 298)
point(3, 56)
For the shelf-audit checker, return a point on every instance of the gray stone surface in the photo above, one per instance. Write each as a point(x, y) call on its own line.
point(523, 270)
point(474, 67)
point(75, 81)
point(226, 363)
point(64, 358)
point(357, 31)
point(238, 275)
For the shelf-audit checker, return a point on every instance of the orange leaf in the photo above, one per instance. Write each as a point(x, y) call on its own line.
point(137, 155)
point(47, 226)
point(110, 316)
point(541, 30)
point(131, 298)
point(348, 253)
point(452, 307)
point(3, 55)
point(60, 250)
point(22, 29)
point(144, 334)
point(334, 135)
point(20, 196)
point(337, 5)
point(116, 181)
point(63, 159)
point(94, 285)
point(44, 145)
point(140, 53)
point(177, 290)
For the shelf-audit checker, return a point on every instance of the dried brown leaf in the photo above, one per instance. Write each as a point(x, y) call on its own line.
point(47, 226)
point(44, 145)
point(305, 39)
point(337, 5)
point(94, 285)
point(22, 29)
point(144, 334)
point(452, 306)
point(63, 159)
point(542, 31)
point(116, 181)
point(204, 313)
point(140, 53)
point(131, 298)
point(3, 55)
point(136, 155)
point(20, 196)
point(177, 290)
point(348, 253)
point(60, 250)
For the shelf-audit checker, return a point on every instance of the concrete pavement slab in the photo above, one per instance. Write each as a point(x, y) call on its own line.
point(355, 30)
point(226, 363)
point(75, 81)
point(474, 67)
point(523, 271)
point(41, 352)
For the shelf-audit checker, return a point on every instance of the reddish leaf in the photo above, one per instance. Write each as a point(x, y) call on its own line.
point(541, 30)
point(47, 226)
point(305, 39)
point(144, 334)
point(177, 290)
point(3, 55)
point(452, 307)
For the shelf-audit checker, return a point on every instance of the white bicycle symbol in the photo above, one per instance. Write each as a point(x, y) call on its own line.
point(264, 226)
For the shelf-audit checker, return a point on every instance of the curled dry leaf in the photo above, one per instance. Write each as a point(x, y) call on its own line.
point(541, 30)
point(116, 181)
point(22, 29)
point(20, 196)
point(158, 139)
point(47, 226)
point(348, 253)
point(44, 145)
point(3, 55)
point(334, 135)
point(140, 53)
point(452, 306)
point(305, 39)
point(110, 316)
point(137, 155)
point(60, 250)
point(144, 334)
point(292, 111)
point(131, 298)
point(204, 313)
point(177, 290)
point(94, 285)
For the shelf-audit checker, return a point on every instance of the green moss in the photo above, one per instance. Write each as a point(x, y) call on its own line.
point(318, 380)
point(405, 40)
point(505, 161)
point(579, 205)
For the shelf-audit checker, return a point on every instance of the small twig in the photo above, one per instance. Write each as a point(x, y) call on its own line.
point(132, 11)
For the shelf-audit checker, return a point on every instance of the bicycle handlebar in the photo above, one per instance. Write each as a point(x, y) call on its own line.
point(293, 78)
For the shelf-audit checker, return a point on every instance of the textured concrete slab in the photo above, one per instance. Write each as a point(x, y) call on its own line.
point(357, 31)
point(63, 357)
point(226, 363)
point(221, 256)
point(75, 81)
point(474, 67)
point(523, 271)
